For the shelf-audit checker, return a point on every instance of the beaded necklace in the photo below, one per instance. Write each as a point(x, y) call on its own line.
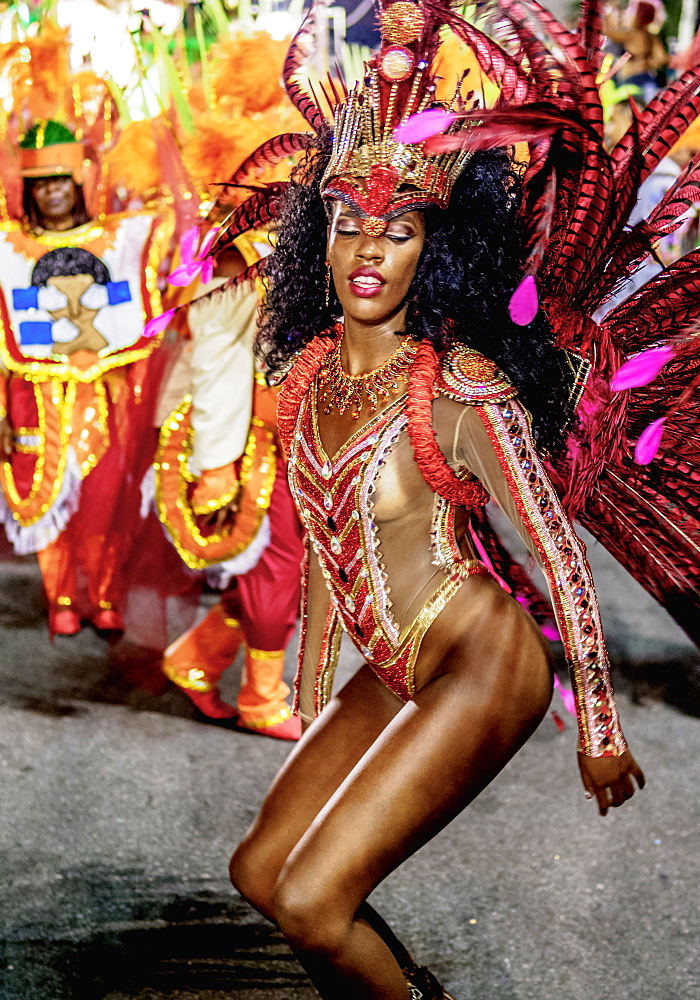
point(340, 391)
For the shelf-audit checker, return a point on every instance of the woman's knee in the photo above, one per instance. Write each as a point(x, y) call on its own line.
point(252, 876)
point(310, 917)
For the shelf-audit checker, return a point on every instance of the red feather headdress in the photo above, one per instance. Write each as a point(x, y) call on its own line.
point(577, 199)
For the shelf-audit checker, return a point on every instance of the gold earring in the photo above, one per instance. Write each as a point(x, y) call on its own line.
point(328, 283)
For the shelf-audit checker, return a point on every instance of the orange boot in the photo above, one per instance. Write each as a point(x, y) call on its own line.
point(196, 661)
point(262, 707)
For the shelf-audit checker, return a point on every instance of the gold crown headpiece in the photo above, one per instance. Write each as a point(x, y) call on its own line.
point(369, 170)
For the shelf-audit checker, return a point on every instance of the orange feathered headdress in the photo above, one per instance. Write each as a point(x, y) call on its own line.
point(251, 107)
point(133, 161)
point(39, 84)
point(246, 71)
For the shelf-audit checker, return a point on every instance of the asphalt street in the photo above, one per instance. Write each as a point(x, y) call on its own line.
point(120, 809)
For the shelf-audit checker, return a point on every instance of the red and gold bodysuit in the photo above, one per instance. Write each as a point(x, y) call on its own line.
point(385, 559)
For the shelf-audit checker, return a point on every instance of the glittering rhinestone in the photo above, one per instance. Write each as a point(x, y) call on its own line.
point(365, 455)
point(365, 652)
point(349, 603)
point(373, 439)
point(396, 63)
point(328, 501)
point(336, 547)
point(327, 470)
point(355, 515)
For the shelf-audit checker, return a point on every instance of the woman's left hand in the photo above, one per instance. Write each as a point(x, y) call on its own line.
point(610, 779)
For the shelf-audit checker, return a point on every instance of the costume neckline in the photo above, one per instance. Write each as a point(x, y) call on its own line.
point(397, 402)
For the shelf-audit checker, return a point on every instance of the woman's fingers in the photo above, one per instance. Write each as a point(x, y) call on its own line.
point(636, 770)
point(610, 779)
point(604, 802)
point(621, 791)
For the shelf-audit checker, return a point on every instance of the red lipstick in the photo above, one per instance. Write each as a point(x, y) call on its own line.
point(366, 282)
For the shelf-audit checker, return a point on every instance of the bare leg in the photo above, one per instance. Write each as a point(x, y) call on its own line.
point(319, 763)
point(316, 853)
point(439, 752)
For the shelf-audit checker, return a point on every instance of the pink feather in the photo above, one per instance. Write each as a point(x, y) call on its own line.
point(188, 241)
point(641, 369)
point(207, 270)
point(184, 274)
point(207, 242)
point(566, 696)
point(524, 303)
point(550, 632)
point(158, 323)
point(424, 125)
point(649, 442)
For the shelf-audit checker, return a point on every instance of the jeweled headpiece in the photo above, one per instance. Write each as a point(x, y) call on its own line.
point(369, 169)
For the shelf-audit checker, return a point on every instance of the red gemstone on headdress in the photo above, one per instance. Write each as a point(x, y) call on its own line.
point(381, 186)
point(396, 63)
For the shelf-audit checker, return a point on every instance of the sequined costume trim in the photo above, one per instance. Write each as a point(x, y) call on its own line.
point(328, 661)
point(55, 405)
point(565, 565)
point(174, 479)
point(334, 498)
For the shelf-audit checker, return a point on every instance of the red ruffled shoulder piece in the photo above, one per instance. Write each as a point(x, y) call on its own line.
point(426, 382)
point(299, 379)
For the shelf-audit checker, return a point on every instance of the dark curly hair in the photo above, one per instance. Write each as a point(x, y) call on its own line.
point(470, 265)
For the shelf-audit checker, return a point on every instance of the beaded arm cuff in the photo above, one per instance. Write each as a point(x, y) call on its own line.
point(562, 558)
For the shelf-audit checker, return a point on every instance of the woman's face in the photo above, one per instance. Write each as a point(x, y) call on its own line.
point(372, 274)
point(55, 199)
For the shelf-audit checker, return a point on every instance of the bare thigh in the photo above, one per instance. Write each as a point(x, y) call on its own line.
point(476, 704)
point(319, 763)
